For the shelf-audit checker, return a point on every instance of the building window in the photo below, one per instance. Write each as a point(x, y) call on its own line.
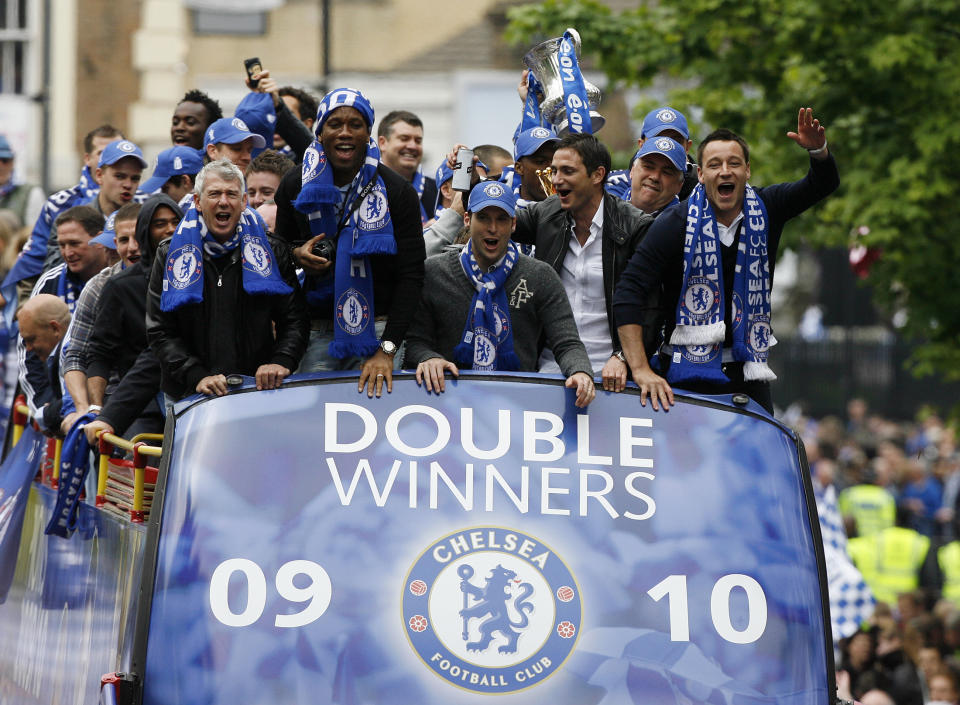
point(14, 37)
point(218, 22)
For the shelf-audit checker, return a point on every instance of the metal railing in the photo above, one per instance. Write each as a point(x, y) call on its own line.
point(107, 443)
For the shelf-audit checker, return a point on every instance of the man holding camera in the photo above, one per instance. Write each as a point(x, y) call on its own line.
point(356, 225)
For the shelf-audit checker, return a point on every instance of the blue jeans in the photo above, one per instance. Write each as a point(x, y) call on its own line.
point(318, 359)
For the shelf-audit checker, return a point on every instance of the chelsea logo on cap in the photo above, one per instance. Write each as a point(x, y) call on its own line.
point(494, 190)
point(666, 115)
point(665, 144)
point(491, 610)
point(540, 132)
point(126, 146)
point(240, 124)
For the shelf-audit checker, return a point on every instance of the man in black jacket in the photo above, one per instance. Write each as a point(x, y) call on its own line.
point(588, 237)
point(223, 296)
point(359, 310)
point(118, 342)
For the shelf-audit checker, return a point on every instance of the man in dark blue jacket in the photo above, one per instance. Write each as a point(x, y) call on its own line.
point(714, 255)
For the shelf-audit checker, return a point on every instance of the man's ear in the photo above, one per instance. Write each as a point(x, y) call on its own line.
point(699, 174)
point(212, 152)
point(598, 175)
point(466, 220)
point(98, 176)
point(518, 167)
point(381, 141)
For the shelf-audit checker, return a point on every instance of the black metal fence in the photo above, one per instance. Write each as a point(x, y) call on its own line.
point(823, 375)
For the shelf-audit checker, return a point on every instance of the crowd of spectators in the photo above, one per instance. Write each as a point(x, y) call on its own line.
point(908, 651)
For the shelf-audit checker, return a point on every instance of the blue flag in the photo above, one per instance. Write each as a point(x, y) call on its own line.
point(16, 473)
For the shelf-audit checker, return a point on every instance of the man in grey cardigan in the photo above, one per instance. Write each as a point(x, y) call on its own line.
point(487, 307)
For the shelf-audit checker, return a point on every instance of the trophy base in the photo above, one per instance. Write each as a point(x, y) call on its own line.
point(596, 122)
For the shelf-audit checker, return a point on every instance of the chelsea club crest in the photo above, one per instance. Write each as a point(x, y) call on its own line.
point(255, 257)
point(183, 266)
point(353, 311)
point(491, 610)
point(373, 213)
point(699, 299)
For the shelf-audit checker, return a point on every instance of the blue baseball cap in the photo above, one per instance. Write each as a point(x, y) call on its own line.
point(108, 237)
point(173, 162)
point(492, 193)
point(6, 151)
point(665, 118)
point(443, 175)
point(231, 131)
point(529, 141)
point(669, 148)
point(258, 113)
point(120, 149)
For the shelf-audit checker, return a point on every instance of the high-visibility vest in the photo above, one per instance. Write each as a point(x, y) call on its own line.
point(949, 559)
point(890, 561)
point(874, 508)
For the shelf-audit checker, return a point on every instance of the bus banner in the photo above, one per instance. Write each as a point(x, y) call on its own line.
point(493, 540)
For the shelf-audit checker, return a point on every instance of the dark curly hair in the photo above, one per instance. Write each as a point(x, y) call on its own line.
point(214, 112)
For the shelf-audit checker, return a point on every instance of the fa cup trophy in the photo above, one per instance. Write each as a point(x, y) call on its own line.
point(555, 66)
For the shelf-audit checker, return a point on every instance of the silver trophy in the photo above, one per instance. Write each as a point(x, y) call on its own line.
point(544, 63)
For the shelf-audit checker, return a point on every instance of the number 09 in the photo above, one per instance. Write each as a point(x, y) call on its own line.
point(318, 593)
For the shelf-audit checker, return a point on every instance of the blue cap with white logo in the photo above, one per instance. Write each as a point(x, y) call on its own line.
point(231, 131)
point(665, 118)
point(173, 162)
point(107, 238)
point(6, 151)
point(669, 148)
point(492, 193)
point(529, 141)
point(120, 149)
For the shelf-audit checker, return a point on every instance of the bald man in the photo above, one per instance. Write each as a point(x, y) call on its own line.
point(43, 321)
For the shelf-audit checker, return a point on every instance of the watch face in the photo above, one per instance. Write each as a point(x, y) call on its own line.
point(388, 347)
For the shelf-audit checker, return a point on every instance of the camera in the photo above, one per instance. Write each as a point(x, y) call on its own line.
point(324, 248)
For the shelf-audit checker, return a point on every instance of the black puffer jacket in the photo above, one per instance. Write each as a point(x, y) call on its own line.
point(548, 226)
point(230, 331)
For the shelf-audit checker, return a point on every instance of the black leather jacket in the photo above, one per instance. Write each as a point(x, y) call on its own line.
point(547, 226)
point(230, 331)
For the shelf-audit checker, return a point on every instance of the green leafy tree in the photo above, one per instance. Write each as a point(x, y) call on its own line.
point(883, 77)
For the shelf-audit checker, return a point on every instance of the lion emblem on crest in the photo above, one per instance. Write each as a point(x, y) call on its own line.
point(492, 602)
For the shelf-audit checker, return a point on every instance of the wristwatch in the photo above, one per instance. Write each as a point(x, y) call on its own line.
point(620, 356)
point(388, 347)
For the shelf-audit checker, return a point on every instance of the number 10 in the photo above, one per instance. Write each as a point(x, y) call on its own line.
point(675, 588)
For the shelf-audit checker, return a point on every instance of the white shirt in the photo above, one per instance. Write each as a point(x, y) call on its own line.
point(582, 279)
point(726, 233)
